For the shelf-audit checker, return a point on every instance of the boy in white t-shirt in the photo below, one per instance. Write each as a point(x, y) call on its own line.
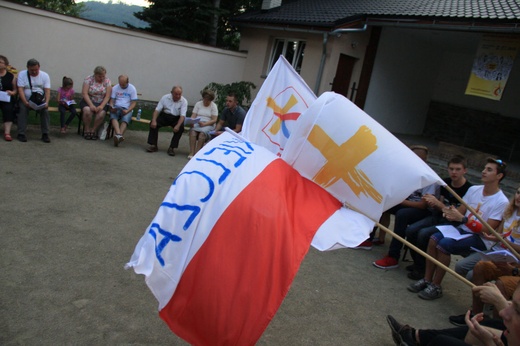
point(490, 202)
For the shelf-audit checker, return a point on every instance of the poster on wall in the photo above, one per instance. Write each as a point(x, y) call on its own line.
point(492, 65)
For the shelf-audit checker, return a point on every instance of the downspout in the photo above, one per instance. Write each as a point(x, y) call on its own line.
point(324, 51)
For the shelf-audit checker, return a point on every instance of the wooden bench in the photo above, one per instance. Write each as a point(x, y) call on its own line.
point(148, 121)
point(81, 131)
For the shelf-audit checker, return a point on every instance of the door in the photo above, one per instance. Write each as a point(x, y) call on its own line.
point(341, 81)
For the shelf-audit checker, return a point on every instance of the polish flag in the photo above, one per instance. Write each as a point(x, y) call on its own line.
point(284, 95)
point(227, 241)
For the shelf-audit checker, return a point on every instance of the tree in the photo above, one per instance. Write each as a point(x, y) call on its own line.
point(201, 21)
point(68, 7)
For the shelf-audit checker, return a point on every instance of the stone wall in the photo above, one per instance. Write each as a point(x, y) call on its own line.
point(486, 132)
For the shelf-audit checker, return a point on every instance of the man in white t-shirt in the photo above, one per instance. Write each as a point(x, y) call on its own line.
point(487, 200)
point(34, 81)
point(122, 103)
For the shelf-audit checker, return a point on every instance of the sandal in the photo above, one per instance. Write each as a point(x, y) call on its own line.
point(88, 135)
point(94, 136)
point(7, 137)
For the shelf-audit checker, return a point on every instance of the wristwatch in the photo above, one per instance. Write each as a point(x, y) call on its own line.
point(515, 271)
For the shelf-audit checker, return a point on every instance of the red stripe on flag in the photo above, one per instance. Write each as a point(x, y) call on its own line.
point(236, 282)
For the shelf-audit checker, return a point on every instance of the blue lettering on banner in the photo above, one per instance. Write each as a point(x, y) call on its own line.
point(168, 237)
point(236, 147)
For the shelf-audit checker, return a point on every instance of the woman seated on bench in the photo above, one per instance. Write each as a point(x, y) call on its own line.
point(96, 92)
point(207, 111)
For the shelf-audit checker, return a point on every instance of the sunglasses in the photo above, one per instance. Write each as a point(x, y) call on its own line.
point(500, 163)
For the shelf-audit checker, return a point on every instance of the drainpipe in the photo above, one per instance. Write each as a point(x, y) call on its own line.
point(324, 51)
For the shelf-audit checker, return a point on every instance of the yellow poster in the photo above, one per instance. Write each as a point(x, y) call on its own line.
point(492, 65)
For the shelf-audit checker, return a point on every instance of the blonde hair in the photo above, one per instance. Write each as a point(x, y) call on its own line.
point(510, 207)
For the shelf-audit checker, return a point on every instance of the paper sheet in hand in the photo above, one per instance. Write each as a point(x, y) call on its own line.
point(448, 231)
point(497, 256)
point(191, 121)
point(37, 107)
point(4, 97)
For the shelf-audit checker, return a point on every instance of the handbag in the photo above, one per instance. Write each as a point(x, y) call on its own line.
point(36, 97)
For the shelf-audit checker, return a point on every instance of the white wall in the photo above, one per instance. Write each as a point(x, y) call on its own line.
point(73, 47)
point(414, 67)
point(402, 81)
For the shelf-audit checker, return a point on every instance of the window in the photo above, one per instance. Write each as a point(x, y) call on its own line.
point(292, 50)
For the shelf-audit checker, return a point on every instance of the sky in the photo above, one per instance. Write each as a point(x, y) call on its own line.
point(142, 3)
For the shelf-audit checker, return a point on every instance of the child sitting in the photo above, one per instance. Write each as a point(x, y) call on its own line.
point(66, 103)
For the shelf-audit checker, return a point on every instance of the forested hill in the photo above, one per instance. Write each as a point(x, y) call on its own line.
point(113, 13)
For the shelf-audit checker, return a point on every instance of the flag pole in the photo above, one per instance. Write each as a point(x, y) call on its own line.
point(416, 249)
point(488, 227)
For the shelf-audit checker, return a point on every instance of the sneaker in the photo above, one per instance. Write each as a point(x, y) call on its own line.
point(366, 245)
point(418, 286)
point(152, 149)
point(416, 274)
point(431, 292)
point(386, 262)
point(116, 140)
point(410, 267)
point(171, 152)
point(22, 138)
point(45, 138)
point(403, 335)
point(459, 320)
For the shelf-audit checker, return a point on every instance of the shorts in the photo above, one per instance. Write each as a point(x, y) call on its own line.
point(127, 118)
point(450, 246)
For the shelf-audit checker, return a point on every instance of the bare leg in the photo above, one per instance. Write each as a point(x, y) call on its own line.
point(200, 142)
point(7, 127)
point(87, 119)
point(193, 142)
point(122, 128)
point(430, 266)
point(100, 117)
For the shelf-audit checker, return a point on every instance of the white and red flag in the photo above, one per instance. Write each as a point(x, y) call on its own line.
point(342, 149)
point(227, 241)
point(229, 237)
point(284, 95)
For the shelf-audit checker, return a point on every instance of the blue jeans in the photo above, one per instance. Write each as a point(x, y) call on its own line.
point(404, 217)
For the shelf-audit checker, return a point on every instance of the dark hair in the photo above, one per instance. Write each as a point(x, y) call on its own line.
point(4, 59)
point(459, 159)
point(501, 166)
point(66, 81)
point(33, 62)
point(233, 95)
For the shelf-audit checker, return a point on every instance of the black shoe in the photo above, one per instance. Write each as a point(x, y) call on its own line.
point(45, 138)
point(403, 335)
point(459, 320)
point(171, 152)
point(410, 267)
point(416, 274)
point(22, 138)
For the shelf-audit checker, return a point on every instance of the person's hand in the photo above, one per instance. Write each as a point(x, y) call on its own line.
point(93, 109)
point(430, 199)
point(10, 92)
point(484, 335)
point(153, 124)
point(452, 214)
point(490, 294)
point(176, 128)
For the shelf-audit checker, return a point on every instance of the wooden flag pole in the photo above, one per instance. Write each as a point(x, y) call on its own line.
point(488, 227)
point(416, 249)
